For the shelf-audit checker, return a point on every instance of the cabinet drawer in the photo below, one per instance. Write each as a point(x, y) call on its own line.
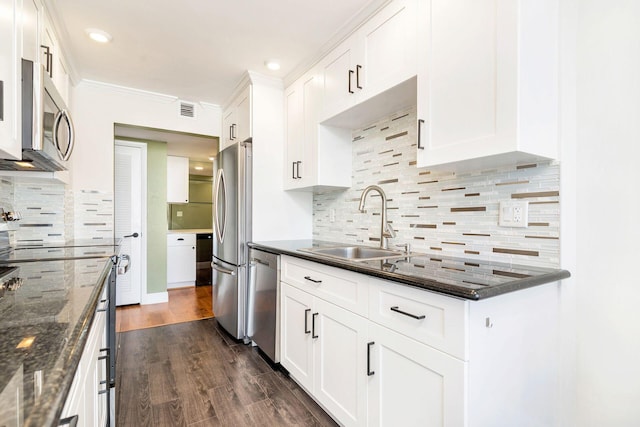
point(401, 308)
point(341, 287)
point(181, 239)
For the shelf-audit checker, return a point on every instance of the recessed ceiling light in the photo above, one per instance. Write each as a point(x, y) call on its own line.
point(198, 168)
point(211, 158)
point(98, 35)
point(272, 64)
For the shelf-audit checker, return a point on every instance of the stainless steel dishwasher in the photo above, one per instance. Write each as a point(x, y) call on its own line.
point(262, 302)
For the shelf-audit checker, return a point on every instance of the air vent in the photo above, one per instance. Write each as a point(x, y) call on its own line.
point(187, 109)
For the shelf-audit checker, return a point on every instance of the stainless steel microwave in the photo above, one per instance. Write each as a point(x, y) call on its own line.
point(47, 128)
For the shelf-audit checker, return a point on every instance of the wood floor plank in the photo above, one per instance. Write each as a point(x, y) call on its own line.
point(162, 384)
point(169, 414)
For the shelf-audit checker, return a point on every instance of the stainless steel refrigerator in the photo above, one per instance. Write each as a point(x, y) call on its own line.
point(232, 228)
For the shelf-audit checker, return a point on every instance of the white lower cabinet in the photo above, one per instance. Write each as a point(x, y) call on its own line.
point(324, 347)
point(181, 260)
point(87, 398)
point(412, 384)
point(416, 358)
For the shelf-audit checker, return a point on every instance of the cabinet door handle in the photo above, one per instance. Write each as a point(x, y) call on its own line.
point(358, 68)
point(233, 130)
point(107, 359)
point(313, 325)
point(70, 421)
point(420, 123)
point(414, 316)
point(312, 280)
point(306, 321)
point(298, 163)
point(350, 74)
point(369, 371)
point(293, 170)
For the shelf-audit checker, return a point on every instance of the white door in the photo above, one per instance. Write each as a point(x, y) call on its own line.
point(295, 333)
point(412, 384)
point(130, 217)
point(339, 362)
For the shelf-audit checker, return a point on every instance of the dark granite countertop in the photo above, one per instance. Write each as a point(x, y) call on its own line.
point(46, 309)
point(458, 277)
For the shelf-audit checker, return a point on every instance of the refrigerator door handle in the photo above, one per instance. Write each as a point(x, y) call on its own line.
point(221, 184)
point(222, 270)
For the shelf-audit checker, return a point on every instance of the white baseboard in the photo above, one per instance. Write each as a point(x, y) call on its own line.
point(178, 285)
point(155, 298)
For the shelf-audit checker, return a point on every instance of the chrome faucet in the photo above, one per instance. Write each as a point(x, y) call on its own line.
point(386, 231)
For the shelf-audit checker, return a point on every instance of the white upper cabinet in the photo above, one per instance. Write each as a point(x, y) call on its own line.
point(10, 77)
point(487, 82)
point(52, 59)
point(378, 56)
point(236, 119)
point(315, 155)
point(177, 179)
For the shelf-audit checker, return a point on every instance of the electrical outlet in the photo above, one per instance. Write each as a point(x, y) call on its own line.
point(179, 214)
point(332, 215)
point(514, 214)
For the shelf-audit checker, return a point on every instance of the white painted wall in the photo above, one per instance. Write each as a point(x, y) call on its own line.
point(601, 190)
point(96, 107)
point(277, 214)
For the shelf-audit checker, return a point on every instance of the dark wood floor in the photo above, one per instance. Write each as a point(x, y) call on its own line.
point(194, 374)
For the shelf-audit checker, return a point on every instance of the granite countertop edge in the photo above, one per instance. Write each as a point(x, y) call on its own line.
point(423, 283)
point(57, 386)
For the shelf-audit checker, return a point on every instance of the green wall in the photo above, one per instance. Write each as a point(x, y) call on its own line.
point(156, 217)
point(198, 212)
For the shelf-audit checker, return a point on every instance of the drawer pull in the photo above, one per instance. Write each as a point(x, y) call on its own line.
point(369, 371)
point(397, 310)
point(313, 325)
point(306, 321)
point(312, 280)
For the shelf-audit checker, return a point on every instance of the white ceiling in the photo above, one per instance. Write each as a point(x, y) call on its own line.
point(197, 50)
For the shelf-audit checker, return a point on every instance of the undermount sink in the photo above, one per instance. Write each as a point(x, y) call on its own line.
point(356, 253)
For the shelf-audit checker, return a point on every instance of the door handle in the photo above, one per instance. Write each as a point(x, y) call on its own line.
point(306, 321)
point(220, 227)
point(420, 123)
point(293, 170)
point(313, 325)
point(64, 114)
point(369, 371)
point(298, 163)
point(134, 235)
point(350, 74)
point(358, 68)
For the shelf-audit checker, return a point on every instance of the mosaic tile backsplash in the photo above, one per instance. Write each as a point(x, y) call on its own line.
point(52, 212)
point(443, 213)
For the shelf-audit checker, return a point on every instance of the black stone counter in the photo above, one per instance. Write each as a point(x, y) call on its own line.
point(46, 309)
point(464, 278)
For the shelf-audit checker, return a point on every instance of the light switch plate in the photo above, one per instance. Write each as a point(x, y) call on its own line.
point(514, 214)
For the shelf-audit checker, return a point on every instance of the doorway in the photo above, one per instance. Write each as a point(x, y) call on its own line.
point(158, 304)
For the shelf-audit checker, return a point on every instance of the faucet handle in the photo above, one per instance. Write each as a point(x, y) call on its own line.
point(389, 231)
point(406, 246)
